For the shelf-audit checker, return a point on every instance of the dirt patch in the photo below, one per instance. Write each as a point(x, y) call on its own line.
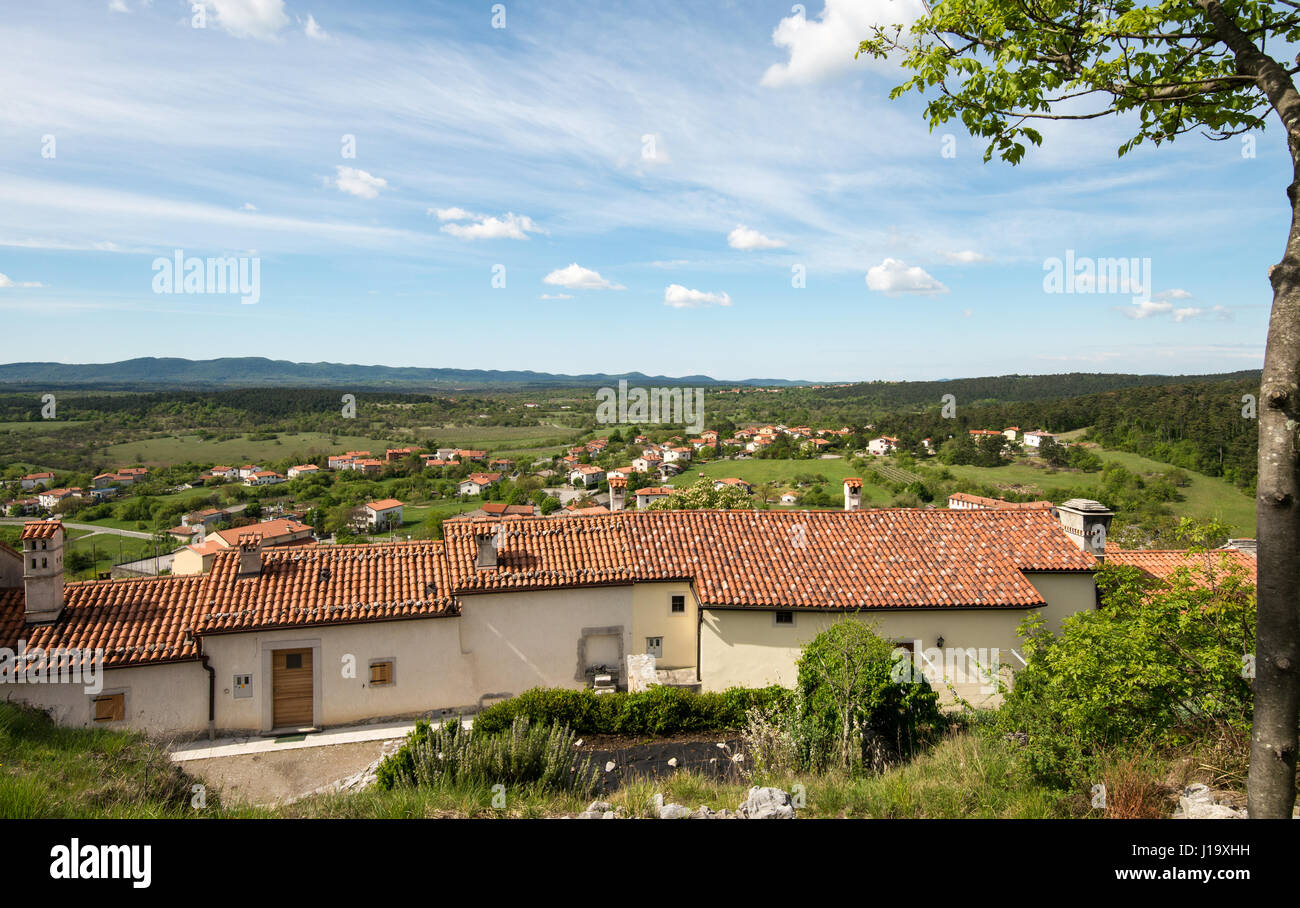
point(638, 757)
point(278, 775)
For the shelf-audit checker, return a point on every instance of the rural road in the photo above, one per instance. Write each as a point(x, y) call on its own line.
point(90, 527)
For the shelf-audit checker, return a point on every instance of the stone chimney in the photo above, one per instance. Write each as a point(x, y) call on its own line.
point(617, 493)
point(42, 542)
point(250, 554)
point(1086, 522)
point(852, 494)
point(488, 540)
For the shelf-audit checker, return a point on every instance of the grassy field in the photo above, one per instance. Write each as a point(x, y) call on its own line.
point(782, 473)
point(1204, 498)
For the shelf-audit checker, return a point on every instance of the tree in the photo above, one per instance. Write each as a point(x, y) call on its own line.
point(1180, 65)
point(700, 495)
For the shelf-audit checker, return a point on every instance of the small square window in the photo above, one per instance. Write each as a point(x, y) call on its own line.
point(381, 673)
point(111, 708)
point(785, 617)
point(293, 660)
point(679, 605)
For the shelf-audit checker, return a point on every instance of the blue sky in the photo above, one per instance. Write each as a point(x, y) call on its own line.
point(647, 174)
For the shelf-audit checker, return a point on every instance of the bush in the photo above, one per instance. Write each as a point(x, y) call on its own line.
point(848, 696)
point(538, 756)
point(1158, 663)
point(658, 711)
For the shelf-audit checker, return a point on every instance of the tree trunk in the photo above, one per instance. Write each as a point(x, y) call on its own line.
point(1271, 786)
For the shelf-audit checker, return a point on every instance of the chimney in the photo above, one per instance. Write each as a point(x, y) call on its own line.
point(1086, 522)
point(42, 543)
point(852, 493)
point(250, 554)
point(488, 542)
point(617, 493)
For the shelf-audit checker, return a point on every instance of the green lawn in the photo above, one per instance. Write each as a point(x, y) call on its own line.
point(782, 473)
point(238, 451)
point(1206, 497)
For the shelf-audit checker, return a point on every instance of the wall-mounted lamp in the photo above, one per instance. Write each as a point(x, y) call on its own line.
point(940, 641)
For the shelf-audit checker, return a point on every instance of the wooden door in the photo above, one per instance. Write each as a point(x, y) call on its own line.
point(291, 688)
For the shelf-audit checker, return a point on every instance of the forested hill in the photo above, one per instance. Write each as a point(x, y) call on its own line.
point(171, 374)
point(1011, 388)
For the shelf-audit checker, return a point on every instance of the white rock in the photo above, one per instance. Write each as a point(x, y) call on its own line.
point(766, 804)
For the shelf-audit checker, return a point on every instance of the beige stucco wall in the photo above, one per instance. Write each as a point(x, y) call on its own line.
point(746, 648)
point(652, 616)
point(168, 700)
point(429, 671)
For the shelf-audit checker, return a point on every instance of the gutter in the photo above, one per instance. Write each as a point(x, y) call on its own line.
point(212, 685)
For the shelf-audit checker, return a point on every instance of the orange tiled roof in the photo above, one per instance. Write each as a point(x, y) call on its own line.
point(885, 558)
point(1161, 563)
point(41, 529)
point(383, 504)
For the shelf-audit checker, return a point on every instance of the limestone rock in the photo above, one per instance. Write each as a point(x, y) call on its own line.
point(766, 804)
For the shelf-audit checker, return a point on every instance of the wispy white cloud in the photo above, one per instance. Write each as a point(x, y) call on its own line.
point(262, 19)
point(485, 227)
point(826, 46)
point(575, 277)
point(680, 297)
point(312, 29)
point(893, 277)
point(358, 182)
point(745, 238)
point(6, 282)
point(966, 257)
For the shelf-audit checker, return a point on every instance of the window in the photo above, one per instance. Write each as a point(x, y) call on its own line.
point(381, 672)
point(679, 605)
point(111, 708)
point(905, 644)
point(785, 618)
point(293, 660)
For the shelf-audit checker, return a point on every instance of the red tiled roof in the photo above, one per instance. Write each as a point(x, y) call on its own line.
point(383, 504)
point(1161, 563)
point(41, 529)
point(885, 558)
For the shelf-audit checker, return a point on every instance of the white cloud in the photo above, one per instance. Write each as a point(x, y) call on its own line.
point(483, 227)
point(892, 277)
point(358, 182)
point(825, 46)
point(965, 257)
point(450, 214)
point(679, 297)
point(1159, 305)
point(249, 18)
point(575, 277)
point(745, 238)
point(7, 282)
point(1174, 294)
point(557, 296)
point(1146, 308)
point(1189, 312)
point(118, 6)
point(249, 206)
point(312, 29)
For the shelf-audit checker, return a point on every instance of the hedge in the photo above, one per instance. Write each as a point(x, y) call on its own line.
point(658, 711)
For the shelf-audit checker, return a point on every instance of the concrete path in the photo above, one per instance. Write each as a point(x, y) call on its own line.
point(233, 747)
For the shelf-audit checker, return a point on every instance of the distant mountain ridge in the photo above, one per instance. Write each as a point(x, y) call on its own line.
point(172, 373)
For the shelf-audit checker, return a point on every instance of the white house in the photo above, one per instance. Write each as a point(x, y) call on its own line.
point(883, 445)
point(263, 478)
point(586, 474)
point(306, 469)
point(1036, 438)
point(386, 512)
point(478, 483)
point(651, 494)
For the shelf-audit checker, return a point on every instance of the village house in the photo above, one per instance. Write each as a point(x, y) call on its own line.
point(502, 605)
point(647, 463)
point(383, 514)
point(478, 483)
point(51, 498)
point(586, 475)
point(263, 478)
point(32, 480)
point(885, 444)
point(248, 470)
point(1038, 438)
point(304, 469)
point(198, 557)
point(395, 454)
point(649, 494)
point(963, 501)
point(224, 472)
point(719, 484)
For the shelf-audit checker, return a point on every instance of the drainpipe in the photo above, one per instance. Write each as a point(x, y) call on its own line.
point(212, 687)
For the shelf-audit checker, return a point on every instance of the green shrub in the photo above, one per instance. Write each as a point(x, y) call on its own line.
point(658, 711)
point(540, 757)
point(1158, 663)
point(851, 707)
